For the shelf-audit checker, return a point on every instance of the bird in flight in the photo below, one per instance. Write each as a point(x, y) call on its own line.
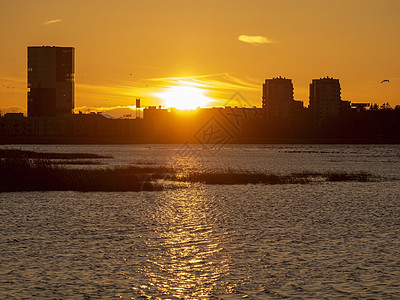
point(385, 80)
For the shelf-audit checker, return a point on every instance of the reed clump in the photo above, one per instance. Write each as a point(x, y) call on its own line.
point(235, 177)
point(14, 153)
point(21, 173)
point(344, 176)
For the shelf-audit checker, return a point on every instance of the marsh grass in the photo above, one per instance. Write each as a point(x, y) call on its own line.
point(13, 153)
point(77, 162)
point(235, 177)
point(20, 172)
point(357, 176)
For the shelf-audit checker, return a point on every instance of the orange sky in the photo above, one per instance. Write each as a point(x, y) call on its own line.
point(131, 48)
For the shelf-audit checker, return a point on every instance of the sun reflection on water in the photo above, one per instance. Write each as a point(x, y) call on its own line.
point(189, 259)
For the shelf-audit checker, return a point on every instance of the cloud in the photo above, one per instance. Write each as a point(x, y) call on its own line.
point(114, 111)
point(12, 109)
point(52, 22)
point(219, 81)
point(87, 109)
point(255, 39)
point(220, 87)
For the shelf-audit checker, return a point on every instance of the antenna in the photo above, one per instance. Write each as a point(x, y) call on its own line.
point(137, 108)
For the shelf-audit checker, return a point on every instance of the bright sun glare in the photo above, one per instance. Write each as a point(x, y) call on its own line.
point(184, 97)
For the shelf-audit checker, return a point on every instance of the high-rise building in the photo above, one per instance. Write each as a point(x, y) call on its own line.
point(50, 81)
point(278, 101)
point(325, 99)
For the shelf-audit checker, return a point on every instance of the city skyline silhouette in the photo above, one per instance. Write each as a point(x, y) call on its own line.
point(210, 50)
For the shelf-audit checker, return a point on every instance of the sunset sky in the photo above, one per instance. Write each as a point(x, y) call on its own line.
point(161, 49)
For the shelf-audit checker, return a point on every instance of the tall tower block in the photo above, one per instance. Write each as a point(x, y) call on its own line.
point(51, 81)
point(325, 99)
point(278, 101)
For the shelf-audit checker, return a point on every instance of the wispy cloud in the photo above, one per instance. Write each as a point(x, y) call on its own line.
point(220, 87)
point(255, 39)
point(114, 111)
point(9, 85)
point(11, 109)
point(220, 81)
point(87, 109)
point(52, 22)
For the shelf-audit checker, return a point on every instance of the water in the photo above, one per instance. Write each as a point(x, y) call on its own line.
point(320, 240)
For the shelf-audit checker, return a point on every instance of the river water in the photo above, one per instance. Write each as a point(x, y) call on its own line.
point(302, 241)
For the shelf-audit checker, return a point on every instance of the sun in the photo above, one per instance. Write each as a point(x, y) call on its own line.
point(184, 97)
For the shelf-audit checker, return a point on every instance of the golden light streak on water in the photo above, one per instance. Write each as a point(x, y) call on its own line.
point(190, 252)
